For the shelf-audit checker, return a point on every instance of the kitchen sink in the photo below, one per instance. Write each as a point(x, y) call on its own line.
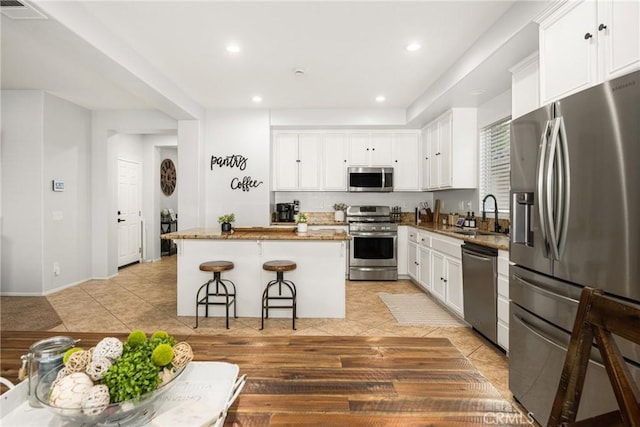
point(474, 233)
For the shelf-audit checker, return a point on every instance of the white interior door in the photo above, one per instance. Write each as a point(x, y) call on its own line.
point(129, 237)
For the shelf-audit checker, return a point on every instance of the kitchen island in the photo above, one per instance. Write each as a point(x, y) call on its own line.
point(320, 255)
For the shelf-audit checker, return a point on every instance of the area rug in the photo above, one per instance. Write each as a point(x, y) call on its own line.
point(27, 314)
point(419, 310)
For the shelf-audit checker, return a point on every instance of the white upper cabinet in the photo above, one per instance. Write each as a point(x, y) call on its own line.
point(584, 43)
point(450, 147)
point(335, 152)
point(406, 161)
point(619, 26)
point(370, 149)
point(297, 161)
point(317, 160)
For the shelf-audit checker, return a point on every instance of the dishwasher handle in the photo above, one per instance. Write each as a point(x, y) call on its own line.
point(478, 250)
point(478, 257)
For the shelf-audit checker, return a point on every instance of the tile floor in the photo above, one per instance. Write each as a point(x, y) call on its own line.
point(143, 296)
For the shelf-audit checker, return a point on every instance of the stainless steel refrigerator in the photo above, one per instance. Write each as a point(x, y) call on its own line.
point(575, 212)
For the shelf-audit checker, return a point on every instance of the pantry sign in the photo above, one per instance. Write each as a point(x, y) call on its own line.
point(239, 162)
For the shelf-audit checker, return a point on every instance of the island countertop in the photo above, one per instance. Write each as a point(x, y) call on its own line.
point(257, 233)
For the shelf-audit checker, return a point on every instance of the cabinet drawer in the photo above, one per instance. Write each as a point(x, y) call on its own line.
point(448, 248)
point(503, 310)
point(413, 235)
point(424, 240)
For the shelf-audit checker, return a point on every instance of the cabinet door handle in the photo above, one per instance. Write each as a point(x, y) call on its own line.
point(602, 27)
point(373, 149)
point(587, 36)
point(396, 161)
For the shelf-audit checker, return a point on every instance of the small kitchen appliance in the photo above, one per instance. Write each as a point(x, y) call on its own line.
point(370, 179)
point(285, 212)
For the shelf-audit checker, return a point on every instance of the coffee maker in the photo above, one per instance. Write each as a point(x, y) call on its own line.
point(284, 212)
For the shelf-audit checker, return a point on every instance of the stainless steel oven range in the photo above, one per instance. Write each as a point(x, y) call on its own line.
point(373, 252)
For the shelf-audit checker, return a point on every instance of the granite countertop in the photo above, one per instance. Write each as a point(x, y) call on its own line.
point(312, 223)
point(257, 233)
point(494, 240)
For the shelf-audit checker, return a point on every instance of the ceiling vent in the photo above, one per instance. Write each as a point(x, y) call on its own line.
point(15, 9)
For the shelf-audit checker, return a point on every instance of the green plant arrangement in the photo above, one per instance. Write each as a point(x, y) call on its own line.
point(227, 218)
point(302, 218)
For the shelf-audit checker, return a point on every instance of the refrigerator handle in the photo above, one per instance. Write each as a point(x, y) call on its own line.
point(542, 162)
point(564, 188)
point(551, 172)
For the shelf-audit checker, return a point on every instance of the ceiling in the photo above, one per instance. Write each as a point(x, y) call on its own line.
point(350, 52)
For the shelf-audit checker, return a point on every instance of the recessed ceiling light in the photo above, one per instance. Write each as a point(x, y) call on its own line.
point(412, 47)
point(257, 99)
point(380, 98)
point(233, 48)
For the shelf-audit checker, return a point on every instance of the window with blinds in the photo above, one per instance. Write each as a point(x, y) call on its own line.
point(494, 164)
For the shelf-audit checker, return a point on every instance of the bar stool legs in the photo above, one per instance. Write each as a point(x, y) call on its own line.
point(289, 294)
point(224, 289)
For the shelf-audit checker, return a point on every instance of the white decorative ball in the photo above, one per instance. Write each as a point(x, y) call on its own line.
point(97, 367)
point(69, 391)
point(96, 400)
point(109, 347)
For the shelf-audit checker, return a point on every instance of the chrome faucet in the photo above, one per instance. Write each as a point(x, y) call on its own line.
point(496, 225)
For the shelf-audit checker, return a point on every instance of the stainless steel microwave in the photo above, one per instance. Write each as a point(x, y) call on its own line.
point(378, 179)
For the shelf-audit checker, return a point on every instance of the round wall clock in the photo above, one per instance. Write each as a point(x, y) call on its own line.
point(167, 176)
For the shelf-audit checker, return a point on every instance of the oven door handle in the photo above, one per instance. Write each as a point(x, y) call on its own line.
point(373, 234)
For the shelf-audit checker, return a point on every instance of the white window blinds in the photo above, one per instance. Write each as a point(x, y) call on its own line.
point(494, 164)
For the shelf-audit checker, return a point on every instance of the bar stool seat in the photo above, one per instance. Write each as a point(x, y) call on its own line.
point(222, 294)
point(279, 266)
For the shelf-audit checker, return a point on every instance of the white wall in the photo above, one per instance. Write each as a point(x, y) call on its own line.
point(244, 133)
point(44, 138)
point(22, 189)
point(67, 214)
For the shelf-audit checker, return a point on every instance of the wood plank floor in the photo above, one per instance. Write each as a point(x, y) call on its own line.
point(335, 381)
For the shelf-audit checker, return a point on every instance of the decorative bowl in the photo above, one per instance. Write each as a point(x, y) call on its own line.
point(131, 412)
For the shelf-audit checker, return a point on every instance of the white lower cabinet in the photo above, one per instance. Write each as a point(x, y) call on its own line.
point(424, 267)
point(412, 260)
point(434, 263)
point(503, 299)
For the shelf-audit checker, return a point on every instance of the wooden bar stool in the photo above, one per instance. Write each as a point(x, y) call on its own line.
point(599, 317)
point(279, 266)
point(221, 290)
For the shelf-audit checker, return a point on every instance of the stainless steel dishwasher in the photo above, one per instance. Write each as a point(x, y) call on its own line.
point(480, 283)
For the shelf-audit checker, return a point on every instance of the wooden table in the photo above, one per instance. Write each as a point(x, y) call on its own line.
point(336, 381)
